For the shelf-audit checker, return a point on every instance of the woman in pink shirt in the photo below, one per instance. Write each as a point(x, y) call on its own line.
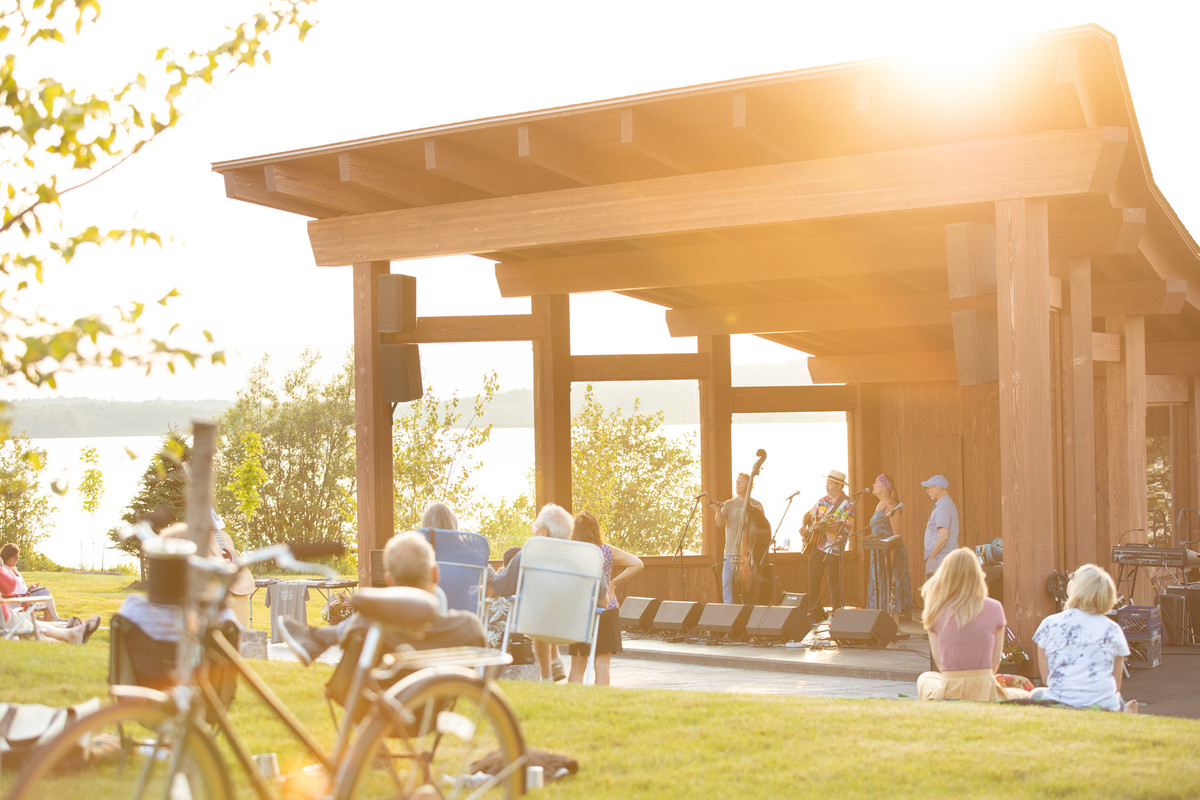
point(966, 633)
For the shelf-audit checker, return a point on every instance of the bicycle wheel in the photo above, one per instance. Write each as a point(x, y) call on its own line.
point(457, 721)
point(123, 750)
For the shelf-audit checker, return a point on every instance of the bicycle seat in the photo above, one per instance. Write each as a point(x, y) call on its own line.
point(396, 605)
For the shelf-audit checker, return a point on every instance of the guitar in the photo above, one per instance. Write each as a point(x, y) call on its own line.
point(813, 532)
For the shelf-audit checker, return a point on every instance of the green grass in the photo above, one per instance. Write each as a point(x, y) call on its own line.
point(693, 746)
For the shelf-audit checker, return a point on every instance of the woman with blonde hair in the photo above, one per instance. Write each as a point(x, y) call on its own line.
point(966, 633)
point(1081, 652)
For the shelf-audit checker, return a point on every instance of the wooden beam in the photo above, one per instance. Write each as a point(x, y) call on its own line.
point(1125, 401)
point(792, 399)
point(1097, 232)
point(469, 168)
point(1079, 438)
point(1106, 347)
point(661, 142)
point(639, 367)
point(552, 402)
point(783, 258)
point(1138, 298)
point(847, 313)
point(372, 422)
point(251, 186)
point(1026, 399)
point(1162, 390)
point(1055, 163)
point(537, 145)
point(486, 328)
point(409, 186)
point(744, 123)
point(884, 368)
point(1173, 358)
point(313, 187)
point(716, 435)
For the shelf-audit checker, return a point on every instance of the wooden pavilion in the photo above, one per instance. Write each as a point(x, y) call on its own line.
point(987, 279)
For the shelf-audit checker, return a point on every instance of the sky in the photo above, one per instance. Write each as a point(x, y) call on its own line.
point(373, 67)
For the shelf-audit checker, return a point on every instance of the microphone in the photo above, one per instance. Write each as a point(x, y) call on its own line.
point(897, 508)
point(793, 494)
point(864, 491)
point(701, 495)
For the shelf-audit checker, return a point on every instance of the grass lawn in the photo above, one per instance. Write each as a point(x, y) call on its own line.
point(692, 745)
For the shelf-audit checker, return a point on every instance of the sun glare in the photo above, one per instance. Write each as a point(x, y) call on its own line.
point(945, 57)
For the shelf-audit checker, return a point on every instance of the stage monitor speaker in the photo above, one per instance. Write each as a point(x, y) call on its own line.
point(637, 613)
point(676, 616)
point(400, 365)
point(778, 623)
point(727, 618)
point(861, 626)
point(1173, 611)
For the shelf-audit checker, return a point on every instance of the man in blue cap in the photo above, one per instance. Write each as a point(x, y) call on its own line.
point(941, 532)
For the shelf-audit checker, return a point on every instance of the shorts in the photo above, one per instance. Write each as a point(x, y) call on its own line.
point(608, 637)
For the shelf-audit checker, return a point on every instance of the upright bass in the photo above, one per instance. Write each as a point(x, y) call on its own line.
point(753, 538)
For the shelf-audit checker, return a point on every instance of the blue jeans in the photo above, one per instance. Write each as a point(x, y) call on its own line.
point(727, 580)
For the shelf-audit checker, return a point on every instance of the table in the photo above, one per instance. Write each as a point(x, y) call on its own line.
point(325, 588)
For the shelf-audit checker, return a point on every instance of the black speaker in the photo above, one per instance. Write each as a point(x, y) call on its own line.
point(637, 613)
point(400, 365)
point(378, 569)
point(861, 626)
point(1192, 593)
point(778, 623)
point(727, 618)
point(792, 599)
point(1173, 610)
point(675, 616)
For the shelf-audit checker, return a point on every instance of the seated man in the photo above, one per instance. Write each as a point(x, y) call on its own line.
point(409, 561)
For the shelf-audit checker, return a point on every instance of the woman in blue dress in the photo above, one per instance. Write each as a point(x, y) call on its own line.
point(881, 528)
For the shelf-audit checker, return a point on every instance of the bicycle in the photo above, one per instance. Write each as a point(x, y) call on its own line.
point(422, 735)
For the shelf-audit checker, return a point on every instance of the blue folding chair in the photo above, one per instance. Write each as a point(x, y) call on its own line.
point(462, 559)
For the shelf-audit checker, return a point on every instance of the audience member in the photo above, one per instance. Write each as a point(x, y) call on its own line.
point(439, 515)
point(76, 632)
point(608, 636)
point(9, 555)
point(553, 521)
point(409, 561)
point(1081, 652)
point(966, 633)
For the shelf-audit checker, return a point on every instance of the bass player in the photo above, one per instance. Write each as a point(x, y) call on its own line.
point(729, 515)
point(826, 527)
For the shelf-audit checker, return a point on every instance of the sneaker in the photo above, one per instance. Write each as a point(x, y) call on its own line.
point(299, 640)
point(557, 670)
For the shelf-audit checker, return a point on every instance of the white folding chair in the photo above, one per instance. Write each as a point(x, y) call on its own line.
point(558, 595)
point(21, 621)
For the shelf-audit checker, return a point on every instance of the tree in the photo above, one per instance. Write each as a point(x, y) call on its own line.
point(306, 431)
point(163, 485)
point(637, 480)
point(433, 454)
point(249, 476)
point(25, 509)
point(55, 139)
point(91, 489)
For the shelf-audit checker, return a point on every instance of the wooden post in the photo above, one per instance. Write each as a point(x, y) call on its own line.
point(552, 401)
point(1125, 407)
point(372, 422)
point(1079, 440)
point(716, 435)
point(1026, 397)
point(200, 491)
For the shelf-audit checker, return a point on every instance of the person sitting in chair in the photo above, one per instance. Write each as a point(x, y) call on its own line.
point(409, 561)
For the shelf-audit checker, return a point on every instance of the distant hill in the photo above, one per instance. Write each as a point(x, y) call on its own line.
point(74, 417)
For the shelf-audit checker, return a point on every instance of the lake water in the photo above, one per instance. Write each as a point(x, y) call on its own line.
point(798, 455)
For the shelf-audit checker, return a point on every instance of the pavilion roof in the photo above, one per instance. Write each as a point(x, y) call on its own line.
point(744, 205)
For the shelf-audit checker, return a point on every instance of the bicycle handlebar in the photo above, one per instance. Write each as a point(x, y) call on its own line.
point(286, 556)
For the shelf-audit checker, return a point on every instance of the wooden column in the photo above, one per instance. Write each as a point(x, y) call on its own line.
point(1125, 409)
point(1079, 422)
point(1191, 525)
point(1026, 397)
point(552, 401)
point(1182, 446)
point(372, 422)
point(716, 435)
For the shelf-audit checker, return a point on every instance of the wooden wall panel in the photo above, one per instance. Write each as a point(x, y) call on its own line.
point(700, 583)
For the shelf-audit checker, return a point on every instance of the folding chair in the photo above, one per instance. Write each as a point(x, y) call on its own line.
point(462, 559)
point(558, 594)
point(19, 615)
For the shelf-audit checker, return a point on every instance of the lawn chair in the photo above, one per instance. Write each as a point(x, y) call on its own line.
point(558, 595)
point(462, 560)
point(18, 618)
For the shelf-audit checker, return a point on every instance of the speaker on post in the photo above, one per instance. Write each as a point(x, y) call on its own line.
point(727, 618)
point(675, 616)
point(778, 623)
point(399, 364)
point(1173, 611)
point(868, 626)
point(637, 613)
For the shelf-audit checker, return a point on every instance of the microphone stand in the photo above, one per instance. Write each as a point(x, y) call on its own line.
point(775, 545)
point(679, 547)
